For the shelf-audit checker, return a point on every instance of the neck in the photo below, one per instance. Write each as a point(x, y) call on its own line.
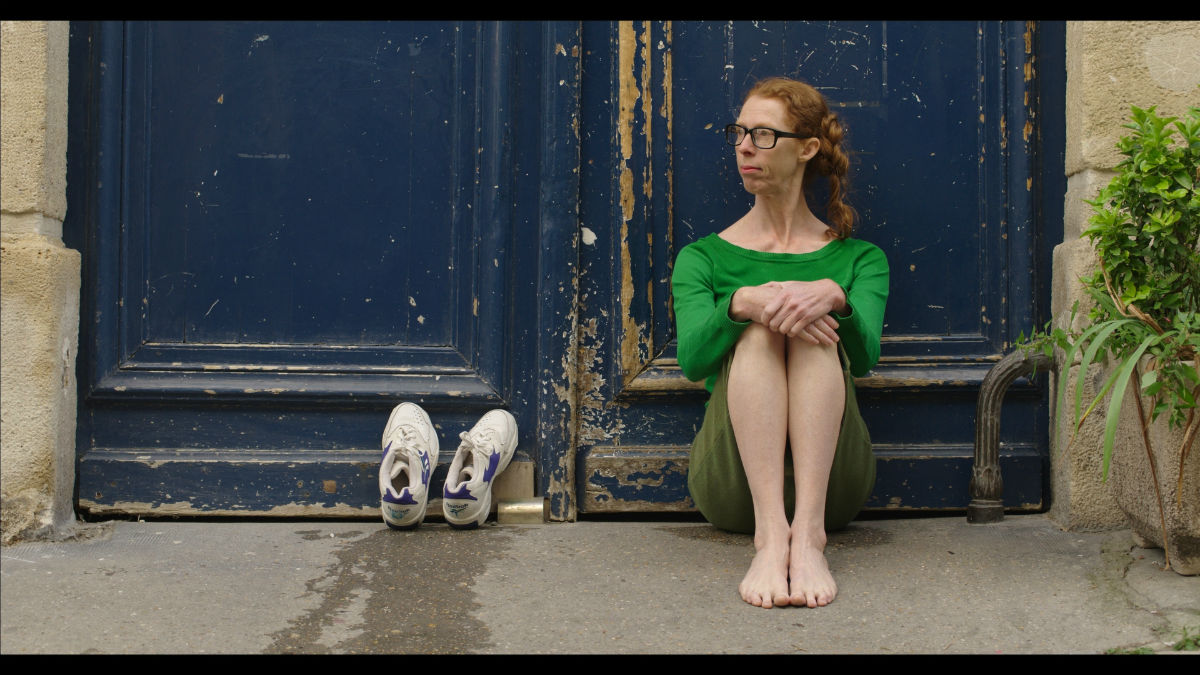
point(784, 217)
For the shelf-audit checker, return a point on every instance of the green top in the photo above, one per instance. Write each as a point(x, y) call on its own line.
point(707, 273)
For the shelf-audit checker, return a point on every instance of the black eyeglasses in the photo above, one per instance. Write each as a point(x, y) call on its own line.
point(763, 138)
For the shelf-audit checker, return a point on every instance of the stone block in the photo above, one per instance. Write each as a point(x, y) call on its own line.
point(1112, 65)
point(1080, 500)
point(39, 322)
point(33, 121)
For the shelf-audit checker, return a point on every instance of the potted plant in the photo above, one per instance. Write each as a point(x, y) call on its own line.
point(1144, 323)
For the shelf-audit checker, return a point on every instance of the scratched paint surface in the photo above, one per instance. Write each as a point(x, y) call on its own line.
point(311, 223)
point(319, 217)
point(304, 171)
point(910, 95)
point(932, 130)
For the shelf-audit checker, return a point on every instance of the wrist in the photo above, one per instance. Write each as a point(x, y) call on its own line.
point(737, 305)
point(838, 303)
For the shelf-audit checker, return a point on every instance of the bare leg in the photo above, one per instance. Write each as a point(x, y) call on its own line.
point(816, 399)
point(758, 409)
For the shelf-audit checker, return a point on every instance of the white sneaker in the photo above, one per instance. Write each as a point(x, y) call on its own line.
point(410, 454)
point(485, 451)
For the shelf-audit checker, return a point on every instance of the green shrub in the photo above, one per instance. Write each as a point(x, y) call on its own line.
point(1145, 229)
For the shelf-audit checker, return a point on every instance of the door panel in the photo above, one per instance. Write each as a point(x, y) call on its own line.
point(289, 228)
point(263, 230)
point(288, 124)
point(941, 173)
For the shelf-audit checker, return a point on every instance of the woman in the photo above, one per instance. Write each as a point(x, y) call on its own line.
point(767, 311)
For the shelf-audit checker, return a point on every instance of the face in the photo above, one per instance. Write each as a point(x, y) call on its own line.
point(779, 169)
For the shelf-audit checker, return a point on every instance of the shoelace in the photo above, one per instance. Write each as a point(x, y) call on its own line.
point(410, 438)
point(410, 441)
point(483, 446)
point(482, 441)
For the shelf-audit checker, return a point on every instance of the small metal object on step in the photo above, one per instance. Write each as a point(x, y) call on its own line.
point(531, 511)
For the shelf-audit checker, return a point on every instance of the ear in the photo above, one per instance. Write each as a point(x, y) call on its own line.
point(809, 148)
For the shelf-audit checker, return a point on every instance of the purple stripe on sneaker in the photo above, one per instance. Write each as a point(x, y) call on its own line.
point(385, 450)
point(404, 498)
point(461, 493)
point(493, 462)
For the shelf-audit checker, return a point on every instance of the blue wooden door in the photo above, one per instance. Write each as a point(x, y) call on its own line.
point(291, 227)
point(947, 171)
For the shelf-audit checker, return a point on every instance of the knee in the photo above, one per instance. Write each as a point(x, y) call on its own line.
point(759, 337)
point(803, 350)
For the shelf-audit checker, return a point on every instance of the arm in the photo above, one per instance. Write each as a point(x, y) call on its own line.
point(703, 325)
point(861, 327)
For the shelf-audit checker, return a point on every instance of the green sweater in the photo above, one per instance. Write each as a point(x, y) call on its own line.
point(707, 273)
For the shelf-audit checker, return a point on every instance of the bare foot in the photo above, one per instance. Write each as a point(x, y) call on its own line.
point(811, 582)
point(765, 584)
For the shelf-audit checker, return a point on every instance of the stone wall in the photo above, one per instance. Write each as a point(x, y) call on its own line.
point(1111, 65)
point(39, 307)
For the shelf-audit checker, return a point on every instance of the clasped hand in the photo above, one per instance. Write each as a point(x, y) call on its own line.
point(795, 308)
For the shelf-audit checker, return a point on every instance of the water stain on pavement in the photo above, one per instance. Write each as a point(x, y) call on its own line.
point(314, 535)
point(398, 593)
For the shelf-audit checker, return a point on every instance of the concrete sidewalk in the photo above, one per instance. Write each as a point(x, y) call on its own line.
point(911, 585)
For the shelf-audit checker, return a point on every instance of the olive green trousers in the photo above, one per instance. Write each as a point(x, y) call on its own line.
point(717, 481)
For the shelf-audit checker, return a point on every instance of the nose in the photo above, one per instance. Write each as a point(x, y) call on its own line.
point(747, 144)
